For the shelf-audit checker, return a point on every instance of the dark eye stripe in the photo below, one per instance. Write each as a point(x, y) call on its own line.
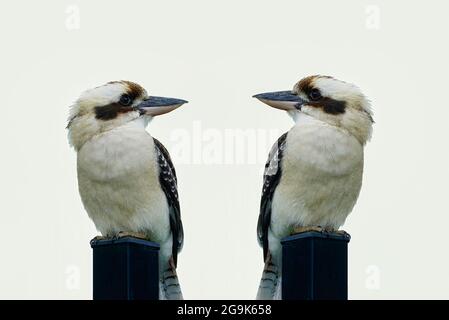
point(111, 111)
point(329, 105)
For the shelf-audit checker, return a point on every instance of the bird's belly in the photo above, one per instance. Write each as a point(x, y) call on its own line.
point(320, 183)
point(313, 204)
point(131, 206)
point(119, 186)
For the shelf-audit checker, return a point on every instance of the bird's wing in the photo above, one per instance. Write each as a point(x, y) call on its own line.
point(271, 177)
point(168, 181)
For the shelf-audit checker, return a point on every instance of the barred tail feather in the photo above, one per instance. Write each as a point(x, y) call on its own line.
point(270, 284)
point(169, 288)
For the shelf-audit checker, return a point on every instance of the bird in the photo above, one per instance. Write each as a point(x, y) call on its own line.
point(313, 174)
point(126, 179)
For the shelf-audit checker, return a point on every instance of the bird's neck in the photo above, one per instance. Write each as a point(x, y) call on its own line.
point(122, 152)
point(300, 117)
point(81, 132)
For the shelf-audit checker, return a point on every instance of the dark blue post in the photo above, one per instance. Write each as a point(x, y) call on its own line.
point(125, 269)
point(315, 266)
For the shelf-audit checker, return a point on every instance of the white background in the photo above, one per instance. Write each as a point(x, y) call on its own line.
point(217, 54)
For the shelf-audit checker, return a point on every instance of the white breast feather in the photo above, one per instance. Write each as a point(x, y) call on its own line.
point(118, 179)
point(321, 178)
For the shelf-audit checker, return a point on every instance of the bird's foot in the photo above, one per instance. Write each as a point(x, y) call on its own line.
point(98, 238)
point(319, 229)
point(308, 229)
point(120, 235)
point(138, 235)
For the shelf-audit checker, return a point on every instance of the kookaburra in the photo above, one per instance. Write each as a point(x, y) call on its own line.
point(126, 179)
point(313, 175)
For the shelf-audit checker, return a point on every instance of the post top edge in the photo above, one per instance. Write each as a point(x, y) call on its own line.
point(316, 234)
point(130, 240)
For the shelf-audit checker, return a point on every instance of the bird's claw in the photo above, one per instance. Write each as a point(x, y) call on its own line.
point(320, 230)
point(138, 235)
point(297, 230)
point(98, 238)
point(120, 235)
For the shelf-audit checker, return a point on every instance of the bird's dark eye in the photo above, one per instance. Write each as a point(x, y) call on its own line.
point(125, 100)
point(315, 95)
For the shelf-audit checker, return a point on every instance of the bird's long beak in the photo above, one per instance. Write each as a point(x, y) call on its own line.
point(284, 100)
point(154, 106)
